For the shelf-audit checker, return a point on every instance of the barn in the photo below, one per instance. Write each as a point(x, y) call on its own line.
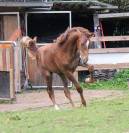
point(48, 19)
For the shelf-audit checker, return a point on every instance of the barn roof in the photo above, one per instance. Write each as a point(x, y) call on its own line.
point(82, 5)
point(58, 5)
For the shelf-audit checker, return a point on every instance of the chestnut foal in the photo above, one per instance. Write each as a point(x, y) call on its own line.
point(62, 56)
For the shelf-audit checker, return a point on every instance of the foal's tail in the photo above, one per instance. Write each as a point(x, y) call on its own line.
point(29, 43)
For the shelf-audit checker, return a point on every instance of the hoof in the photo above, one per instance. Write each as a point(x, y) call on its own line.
point(56, 107)
point(84, 104)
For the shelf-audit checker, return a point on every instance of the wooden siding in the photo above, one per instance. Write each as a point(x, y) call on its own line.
point(10, 24)
point(5, 59)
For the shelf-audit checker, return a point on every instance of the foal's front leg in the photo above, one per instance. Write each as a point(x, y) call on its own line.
point(48, 77)
point(66, 89)
point(77, 85)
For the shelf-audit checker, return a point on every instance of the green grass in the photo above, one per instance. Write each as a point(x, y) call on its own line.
point(119, 82)
point(100, 116)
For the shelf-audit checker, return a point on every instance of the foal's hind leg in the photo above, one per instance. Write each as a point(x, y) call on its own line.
point(77, 85)
point(48, 77)
point(66, 90)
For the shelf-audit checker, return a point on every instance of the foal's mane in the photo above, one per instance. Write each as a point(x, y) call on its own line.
point(78, 30)
point(63, 38)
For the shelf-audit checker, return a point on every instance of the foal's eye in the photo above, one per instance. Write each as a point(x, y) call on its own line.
point(31, 44)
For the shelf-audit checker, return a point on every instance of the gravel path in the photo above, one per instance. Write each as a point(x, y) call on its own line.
point(39, 99)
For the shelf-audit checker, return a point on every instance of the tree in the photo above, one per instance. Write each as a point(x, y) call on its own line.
point(123, 5)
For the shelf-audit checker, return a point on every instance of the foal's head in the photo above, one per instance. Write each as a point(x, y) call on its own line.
point(29, 43)
point(80, 37)
point(84, 42)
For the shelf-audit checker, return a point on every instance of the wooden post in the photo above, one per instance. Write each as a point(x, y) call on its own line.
point(97, 44)
point(12, 96)
point(101, 27)
point(17, 58)
point(12, 86)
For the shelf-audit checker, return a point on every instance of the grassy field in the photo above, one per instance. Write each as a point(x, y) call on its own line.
point(100, 116)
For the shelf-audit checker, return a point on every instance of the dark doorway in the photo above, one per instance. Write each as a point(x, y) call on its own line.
point(47, 26)
point(83, 20)
point(1, 29)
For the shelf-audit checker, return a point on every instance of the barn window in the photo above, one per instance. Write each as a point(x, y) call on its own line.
point(114, 24)
point(116, 27)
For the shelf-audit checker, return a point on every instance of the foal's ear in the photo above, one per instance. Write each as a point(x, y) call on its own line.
point(32, 42)
point(91, 34)
point(35, 39)
point(67, 29)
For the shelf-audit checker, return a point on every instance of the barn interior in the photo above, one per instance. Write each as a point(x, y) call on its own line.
point(83, 20)
point(116, 27)
point(48, 26)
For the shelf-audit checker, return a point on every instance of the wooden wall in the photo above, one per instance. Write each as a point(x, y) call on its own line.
point(4, 59)
point(10, 24)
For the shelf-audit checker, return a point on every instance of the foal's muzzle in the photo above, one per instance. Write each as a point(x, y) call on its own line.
point(83, 61)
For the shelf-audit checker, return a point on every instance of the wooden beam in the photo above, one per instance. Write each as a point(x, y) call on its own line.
point(102, 8)
point(105, 66)
point(5, 46)
point(110, 38)
point(113, 15)
point(108, 50)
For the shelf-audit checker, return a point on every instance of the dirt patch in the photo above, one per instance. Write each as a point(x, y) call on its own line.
point(39, 99)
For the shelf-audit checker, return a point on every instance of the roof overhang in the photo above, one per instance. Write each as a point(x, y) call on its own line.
point(26, 4)
point(83, 5)
point(62, 5)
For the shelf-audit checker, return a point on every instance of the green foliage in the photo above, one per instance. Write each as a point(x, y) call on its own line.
point(101, 116)
point(123, 5)
point(118, 82)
